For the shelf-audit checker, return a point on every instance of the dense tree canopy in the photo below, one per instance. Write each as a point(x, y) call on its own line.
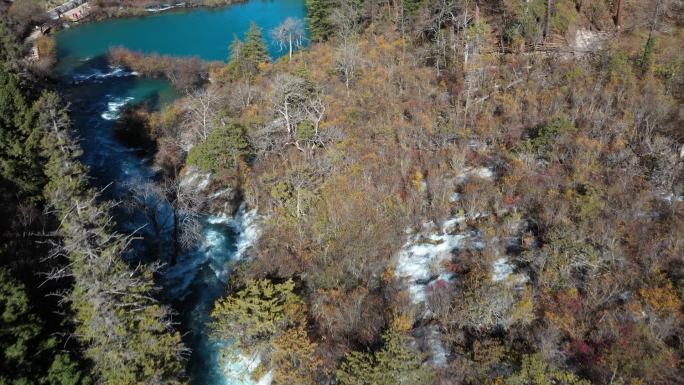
point(29, 355)
point(319, 16)
point(128, 335)
point(34, 347)
point(449, 192)
point(504, 177)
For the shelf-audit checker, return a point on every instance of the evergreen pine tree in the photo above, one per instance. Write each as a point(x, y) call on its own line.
point(128, 335)
point(396, 364)
point(320, 24)
point(255, 49)
point(27, 355)
point(222, 150)
point(10, 52)
point(19, 137)
point(411, 6)
point(245, 56)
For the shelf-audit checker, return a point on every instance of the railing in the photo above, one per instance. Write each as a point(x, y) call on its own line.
point(56, 12)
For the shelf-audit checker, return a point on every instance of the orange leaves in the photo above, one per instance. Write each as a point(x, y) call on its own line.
point(563, 311)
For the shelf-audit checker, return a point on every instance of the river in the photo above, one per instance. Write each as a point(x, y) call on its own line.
point(97, 93)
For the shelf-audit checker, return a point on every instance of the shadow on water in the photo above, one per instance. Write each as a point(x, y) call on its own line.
point(99, 95)
point(119, 157)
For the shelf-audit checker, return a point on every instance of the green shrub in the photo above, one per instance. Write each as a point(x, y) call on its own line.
point(222, 150)
point(544, 138)
point(535, 371)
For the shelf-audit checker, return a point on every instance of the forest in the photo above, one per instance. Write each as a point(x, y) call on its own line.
point(448, 191)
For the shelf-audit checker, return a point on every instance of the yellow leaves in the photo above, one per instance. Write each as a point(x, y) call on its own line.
point(252, 113)
point(168, 117)
point(402, 323)
point(264, 66)
point(388, 275)
point(565, 307)
point(294, 358)
point(663, 299)
point(585, 163)
point(635, 309)
point(47, 47)
point(369, 156)
point(523, 312)
point(510, 181)
point(418, 181)
point(488, 351)
point(356, 169)
point(561, 321)
point(572, 293)
point(552, 193)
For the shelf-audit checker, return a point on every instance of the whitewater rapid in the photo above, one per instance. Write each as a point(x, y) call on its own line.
point(216, 250)
point(99, 94)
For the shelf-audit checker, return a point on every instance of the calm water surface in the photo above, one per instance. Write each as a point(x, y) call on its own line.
point(206, 33)
point(98, 92)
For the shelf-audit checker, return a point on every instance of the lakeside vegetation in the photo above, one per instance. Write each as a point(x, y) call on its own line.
point(184, 73)
point(547, 133)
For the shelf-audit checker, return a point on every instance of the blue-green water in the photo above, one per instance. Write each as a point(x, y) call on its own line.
point(206, 33)
point(98, 92)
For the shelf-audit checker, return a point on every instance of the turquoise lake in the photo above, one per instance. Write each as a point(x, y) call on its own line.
point(206, 33)
point(98, 93)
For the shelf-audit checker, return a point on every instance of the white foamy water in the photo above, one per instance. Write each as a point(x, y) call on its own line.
point(98, 75)
point(226, 240)
point(239, 372)
point(214, 250)
point(421, 261)
point(114, 108)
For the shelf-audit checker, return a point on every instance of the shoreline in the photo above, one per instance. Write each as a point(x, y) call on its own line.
point(103, 14)
point(53, 27)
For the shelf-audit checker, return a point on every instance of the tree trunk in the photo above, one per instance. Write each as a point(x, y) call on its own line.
point(547, 28)
point(618, 14)
point(176, 244)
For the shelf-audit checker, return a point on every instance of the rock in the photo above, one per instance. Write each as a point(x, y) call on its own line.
point(218, 199)
point(585, 41)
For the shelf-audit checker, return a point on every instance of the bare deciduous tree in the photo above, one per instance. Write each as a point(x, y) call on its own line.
point(187, 203)
point(287, 95)
point(243, 93)
point(289, 34)
point(302, 109)
point(346, 18)
point(200, 109)
point(147, 198)
point(169, 208)
point(348, 60)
